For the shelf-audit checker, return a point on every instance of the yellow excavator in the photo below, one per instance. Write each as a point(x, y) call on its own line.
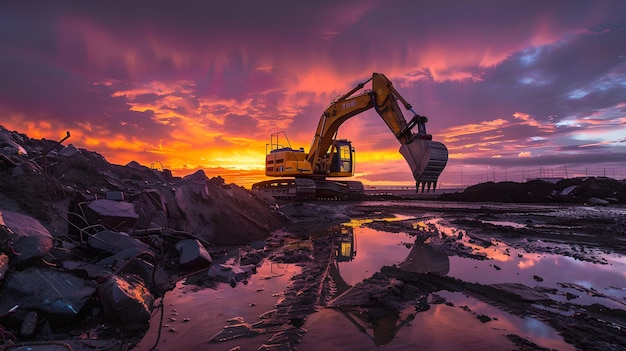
point(330, 157)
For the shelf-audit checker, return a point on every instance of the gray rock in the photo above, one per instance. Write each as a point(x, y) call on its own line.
point(312, 212)
point(154, 276)
point(570, 190)
point(151, 209)
point(193, 254)
point(115, 196)
point(25, 240)
point(232, 272)
point(69, 150)
point(126, 299)
point(85, 270)
point(9, 146)
point(29, 324)
point(45, 289)
point(594, 201)
point(131, 261)
point(115, 242)
point(112, 214)
point(120, 256)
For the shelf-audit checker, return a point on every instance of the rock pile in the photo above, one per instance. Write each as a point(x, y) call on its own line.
point(87, 245)
point(588, 190)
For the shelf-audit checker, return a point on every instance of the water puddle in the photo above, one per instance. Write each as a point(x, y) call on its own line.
point(364, 250)
point(193, 315)
point(506, 323)
point(441, 327)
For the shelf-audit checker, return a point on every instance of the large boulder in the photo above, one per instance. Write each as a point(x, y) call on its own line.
point(151, 209)
point(45, 289)
point(115, 242)
point(23, 238)
point(126, 299)
point(112, 214)
point(193, 255)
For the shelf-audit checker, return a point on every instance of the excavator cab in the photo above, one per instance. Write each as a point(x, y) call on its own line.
point(341, 159)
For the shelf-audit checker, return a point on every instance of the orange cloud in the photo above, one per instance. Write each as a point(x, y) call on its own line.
point(525, 264)
point(528, 120)
point(455, 132)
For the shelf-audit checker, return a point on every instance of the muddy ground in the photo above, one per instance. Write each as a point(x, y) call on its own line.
point(578, 232)
point(378, 304)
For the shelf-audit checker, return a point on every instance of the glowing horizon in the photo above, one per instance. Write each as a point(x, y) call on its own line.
point(511, 90)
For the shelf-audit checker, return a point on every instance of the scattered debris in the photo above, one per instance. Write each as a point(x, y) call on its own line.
point(100, 243)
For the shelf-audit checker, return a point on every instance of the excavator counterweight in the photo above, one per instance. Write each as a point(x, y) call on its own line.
point(330, 157)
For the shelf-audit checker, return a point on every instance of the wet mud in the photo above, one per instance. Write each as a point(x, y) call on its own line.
point(435, 275)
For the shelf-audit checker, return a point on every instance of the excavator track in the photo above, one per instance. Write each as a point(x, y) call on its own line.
point(338, 189)
point(311, 189)
point(288, 189)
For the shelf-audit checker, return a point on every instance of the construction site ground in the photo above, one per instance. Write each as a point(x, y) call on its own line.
point(401, 274)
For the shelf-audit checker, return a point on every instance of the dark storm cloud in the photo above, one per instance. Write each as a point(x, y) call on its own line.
point(35, 88)
point(240, 125)
point(541, 80)
point(562, 159)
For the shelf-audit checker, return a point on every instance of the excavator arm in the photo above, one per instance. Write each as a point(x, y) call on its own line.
point(426, 158)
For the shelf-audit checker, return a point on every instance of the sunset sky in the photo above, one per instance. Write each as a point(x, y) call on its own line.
point(511, 87)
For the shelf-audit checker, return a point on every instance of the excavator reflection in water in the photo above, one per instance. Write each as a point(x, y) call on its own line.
point(355, 303)
point(332, 157)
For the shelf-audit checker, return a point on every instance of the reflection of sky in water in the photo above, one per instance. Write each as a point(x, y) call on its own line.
point(537, 331)
point(373, 250)
point(519, 266)
point(208, 309)
point(552, 269)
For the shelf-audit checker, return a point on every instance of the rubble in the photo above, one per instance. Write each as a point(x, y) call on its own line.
point(591, 190)
point(115, 242)
point(48, 290)
point(23, 238)
point(126, 299)
point(112, 214)
point(101, 243)
point(192, 254)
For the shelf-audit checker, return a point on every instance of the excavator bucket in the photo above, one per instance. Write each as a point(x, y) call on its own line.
point(427, 160)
